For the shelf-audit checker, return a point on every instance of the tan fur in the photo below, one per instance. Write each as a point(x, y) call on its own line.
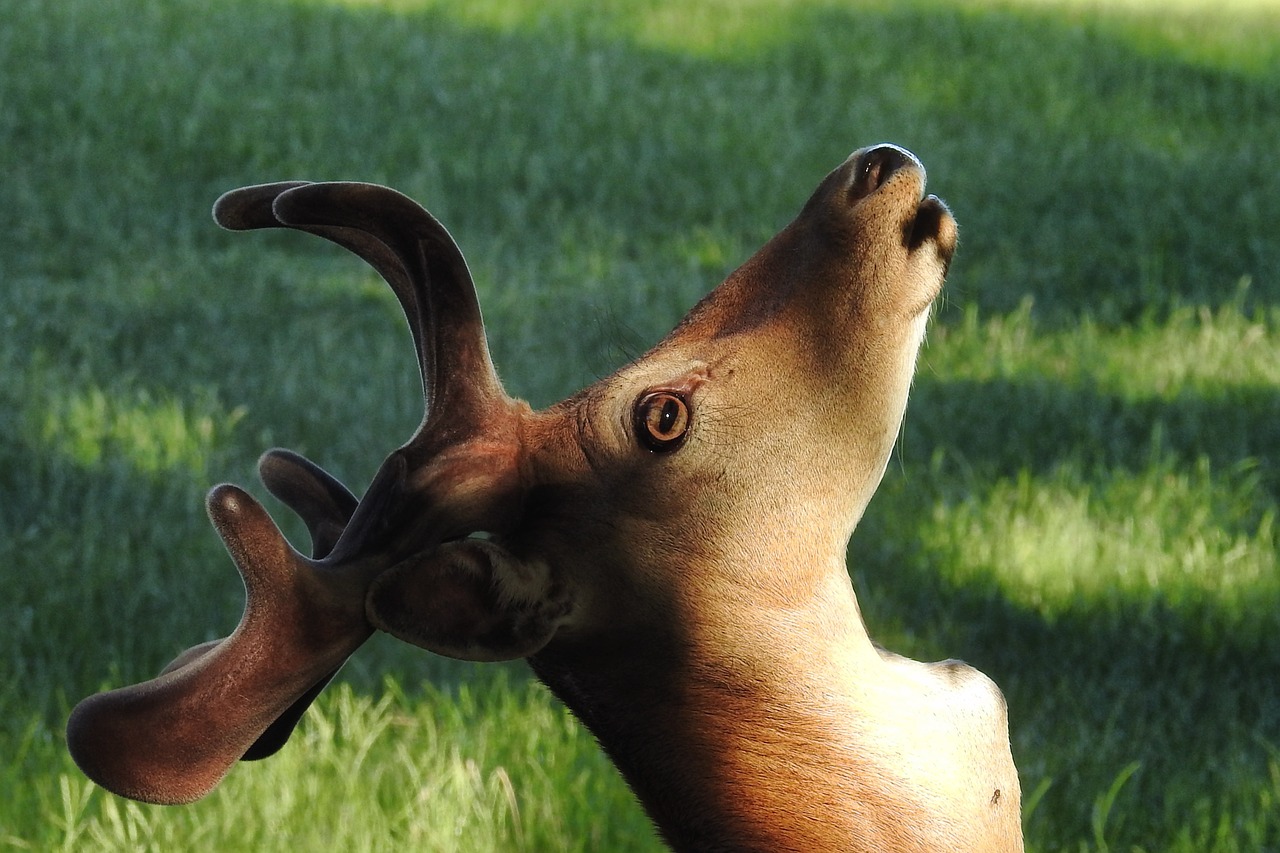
point(685, 593)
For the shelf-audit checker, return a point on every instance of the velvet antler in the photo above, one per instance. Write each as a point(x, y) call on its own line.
point(666, 547)
point(170, 740)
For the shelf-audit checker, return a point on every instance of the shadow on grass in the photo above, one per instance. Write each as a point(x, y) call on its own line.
point(1179, 679)
point(1189, 692)
point(999, 428)
point(1173, 688)
point(1103, 178)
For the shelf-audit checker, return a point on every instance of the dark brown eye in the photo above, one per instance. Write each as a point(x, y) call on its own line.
point(662, 420)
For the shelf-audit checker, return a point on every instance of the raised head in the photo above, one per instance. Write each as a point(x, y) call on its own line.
point(666, 547)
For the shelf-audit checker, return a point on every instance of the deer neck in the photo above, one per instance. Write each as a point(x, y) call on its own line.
point(783, 746)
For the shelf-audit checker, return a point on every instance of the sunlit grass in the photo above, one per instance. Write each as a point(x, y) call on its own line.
point(1194, 349)
point(1085, 496)
point(154, 436)
point(492, 766)
point(1066, 541)
point(1231, 34)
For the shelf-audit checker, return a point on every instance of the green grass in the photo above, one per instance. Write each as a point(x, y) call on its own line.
point(491, 766)
point(1085, 499)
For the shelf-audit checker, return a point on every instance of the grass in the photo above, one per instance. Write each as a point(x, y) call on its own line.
point(490, 766)
point(1085, 500)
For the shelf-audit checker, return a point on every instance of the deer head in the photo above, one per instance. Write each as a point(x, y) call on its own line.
point(666, 547)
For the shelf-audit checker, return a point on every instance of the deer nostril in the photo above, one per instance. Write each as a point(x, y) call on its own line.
point(874, 166)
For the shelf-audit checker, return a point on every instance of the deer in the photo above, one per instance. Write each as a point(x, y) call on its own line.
point(665, 548)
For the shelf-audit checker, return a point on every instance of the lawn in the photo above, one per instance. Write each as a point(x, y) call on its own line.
point(1085, 496)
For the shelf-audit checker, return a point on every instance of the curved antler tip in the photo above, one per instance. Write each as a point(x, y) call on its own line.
point(319, 498)
point(104, 742)
point(227, 501)
point(251, 536)
point(283, 454)
point(279, 467)
point(340, 203)
point(248, 208)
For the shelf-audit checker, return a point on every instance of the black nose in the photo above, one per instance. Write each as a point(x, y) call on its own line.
point(874, 166)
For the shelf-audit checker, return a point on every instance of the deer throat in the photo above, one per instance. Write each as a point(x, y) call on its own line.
point(731, 758)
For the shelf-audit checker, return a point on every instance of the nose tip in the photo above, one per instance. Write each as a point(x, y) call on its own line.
point(875, 165)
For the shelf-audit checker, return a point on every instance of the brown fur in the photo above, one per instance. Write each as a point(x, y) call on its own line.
point(685, 593)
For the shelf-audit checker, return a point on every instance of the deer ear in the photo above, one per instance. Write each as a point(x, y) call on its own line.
point(470, 600)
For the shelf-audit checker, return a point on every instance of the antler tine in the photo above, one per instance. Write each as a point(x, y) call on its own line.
point(315, 495)
point(326, 505)
point(252, 208)
point(416, 256)
point(171, 739)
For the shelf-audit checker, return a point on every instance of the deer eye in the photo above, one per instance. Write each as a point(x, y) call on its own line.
point(662, 421)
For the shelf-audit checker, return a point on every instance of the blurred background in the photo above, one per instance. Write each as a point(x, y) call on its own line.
point(1084, 499)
